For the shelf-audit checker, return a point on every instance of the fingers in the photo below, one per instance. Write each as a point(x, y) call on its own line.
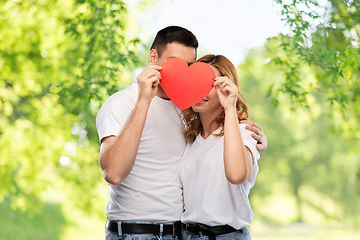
point(256, 137)
point(148, 81)
point(257, 134)
point(225, 85)
point(262, 143)
point(251, 123)
point(222, 82)
point(254, 129)
point(260, 147)
point(154, 81)
point(148, 72)
point(153, 76)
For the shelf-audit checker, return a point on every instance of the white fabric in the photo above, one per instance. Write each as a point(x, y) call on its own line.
point(152, 191)
point(208, 197)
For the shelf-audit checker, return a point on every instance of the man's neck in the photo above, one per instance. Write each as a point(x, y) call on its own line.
point(161, 94)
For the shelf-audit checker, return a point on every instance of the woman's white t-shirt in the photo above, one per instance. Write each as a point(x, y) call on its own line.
point(208, 196)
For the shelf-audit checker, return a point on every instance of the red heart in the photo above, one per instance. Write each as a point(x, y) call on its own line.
point(186, 85)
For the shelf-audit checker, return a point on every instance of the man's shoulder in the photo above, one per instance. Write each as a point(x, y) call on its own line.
point(126, 96)
point(123, 100)
point(129, 93)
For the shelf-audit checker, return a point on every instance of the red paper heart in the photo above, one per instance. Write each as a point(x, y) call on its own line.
point(186, 85)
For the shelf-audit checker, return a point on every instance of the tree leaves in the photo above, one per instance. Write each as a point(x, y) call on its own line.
point(311, 149)
point(59, 61)
point(322, 36)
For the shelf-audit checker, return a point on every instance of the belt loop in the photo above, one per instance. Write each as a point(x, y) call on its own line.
point(161, 230)
point(119, 228)
point(173, 230)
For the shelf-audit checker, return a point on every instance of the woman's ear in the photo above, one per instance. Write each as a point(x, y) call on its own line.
point(153, 57)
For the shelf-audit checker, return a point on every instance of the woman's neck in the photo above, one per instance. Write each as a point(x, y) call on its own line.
point(208, 123)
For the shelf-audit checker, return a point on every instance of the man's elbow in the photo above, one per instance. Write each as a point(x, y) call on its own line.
point(113, 179)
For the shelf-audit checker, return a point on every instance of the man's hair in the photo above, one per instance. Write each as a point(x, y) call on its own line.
point(173, 34)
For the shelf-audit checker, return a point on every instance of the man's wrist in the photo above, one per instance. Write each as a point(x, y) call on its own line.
point(143, 103)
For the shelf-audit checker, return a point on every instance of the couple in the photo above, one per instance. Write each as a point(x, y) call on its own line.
point(154, 176)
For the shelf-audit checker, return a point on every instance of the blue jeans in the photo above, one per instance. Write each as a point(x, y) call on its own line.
point(234, 235)
point(116, 236)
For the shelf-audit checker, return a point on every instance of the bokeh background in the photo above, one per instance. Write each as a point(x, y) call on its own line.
point(298, 63)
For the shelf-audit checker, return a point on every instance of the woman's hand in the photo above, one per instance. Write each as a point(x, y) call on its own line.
point(227, 92)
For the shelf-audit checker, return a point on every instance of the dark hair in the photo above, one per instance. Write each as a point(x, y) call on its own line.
point(173, 34)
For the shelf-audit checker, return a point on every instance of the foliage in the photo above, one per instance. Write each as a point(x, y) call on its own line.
point(323, 40)
point(309, 149)
point(59, 60)
point(325, 36)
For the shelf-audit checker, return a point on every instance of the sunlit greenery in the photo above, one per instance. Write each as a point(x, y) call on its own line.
point(309, 153)
point(59, 61)
point(324, 35)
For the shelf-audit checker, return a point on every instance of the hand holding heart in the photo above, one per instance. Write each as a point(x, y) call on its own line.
point(148, 81)
point(186, 85)
point(227, 92)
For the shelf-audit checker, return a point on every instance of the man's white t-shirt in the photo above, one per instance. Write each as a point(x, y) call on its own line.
point(152, 191)
point(209, 198)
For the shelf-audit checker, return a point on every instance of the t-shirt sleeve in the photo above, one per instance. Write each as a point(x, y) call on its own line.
point(113, 115)
point(249, 142)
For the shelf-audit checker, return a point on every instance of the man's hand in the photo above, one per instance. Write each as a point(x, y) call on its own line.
point(149, 80)
point(257, 134)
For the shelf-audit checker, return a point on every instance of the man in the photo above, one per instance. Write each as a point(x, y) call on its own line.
point(141, 142)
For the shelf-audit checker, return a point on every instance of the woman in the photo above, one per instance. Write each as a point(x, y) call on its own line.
point(219, 165)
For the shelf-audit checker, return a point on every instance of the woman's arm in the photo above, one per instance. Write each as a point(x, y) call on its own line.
point(237, 158)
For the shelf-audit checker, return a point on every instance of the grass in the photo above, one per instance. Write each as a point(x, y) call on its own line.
point(275, 215)
point(303, 231)
point(55, 221)
point(15, 225)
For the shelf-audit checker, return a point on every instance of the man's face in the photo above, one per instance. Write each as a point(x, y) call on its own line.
point(177, 50)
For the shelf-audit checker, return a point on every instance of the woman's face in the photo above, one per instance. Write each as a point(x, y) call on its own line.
point(211, 102)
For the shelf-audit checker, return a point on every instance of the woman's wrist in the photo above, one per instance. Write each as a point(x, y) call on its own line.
point(230, 110)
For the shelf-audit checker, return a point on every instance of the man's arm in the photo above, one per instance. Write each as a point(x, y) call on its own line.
point(258, 134)
point(117, 154)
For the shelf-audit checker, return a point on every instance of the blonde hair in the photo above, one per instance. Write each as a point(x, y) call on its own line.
point(191, 120)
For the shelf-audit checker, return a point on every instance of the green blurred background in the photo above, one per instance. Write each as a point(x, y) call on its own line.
point(60, 60)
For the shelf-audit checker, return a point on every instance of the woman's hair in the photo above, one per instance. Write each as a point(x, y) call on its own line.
point(191, 120)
